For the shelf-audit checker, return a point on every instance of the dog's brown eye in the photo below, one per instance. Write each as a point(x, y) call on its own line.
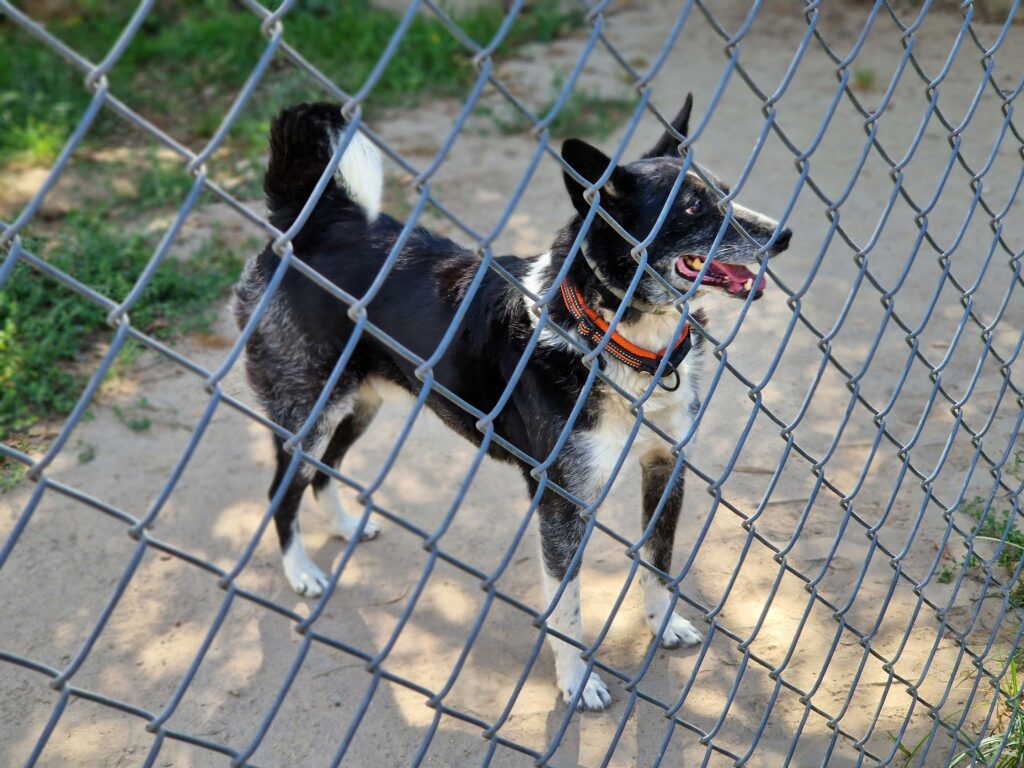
point(695, 207)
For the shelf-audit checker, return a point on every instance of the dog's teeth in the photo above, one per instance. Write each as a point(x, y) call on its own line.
point(748, 285)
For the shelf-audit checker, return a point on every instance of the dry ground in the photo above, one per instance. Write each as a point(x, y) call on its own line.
point(70, 557)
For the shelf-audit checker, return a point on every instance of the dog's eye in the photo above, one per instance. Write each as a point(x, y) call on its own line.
point(695, 207)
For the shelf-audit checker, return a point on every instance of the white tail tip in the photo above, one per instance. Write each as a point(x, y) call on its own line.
point(361, 173)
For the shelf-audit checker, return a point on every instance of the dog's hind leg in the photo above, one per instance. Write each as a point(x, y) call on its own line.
point(561, 533)
point(302, 573)
point(325, 490)
point(657, 466)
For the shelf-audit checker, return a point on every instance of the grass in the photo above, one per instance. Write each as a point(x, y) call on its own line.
point(87, 452)
point(907, 753)
point(991, 526)
point(46, 325)
point(1003, 747)
point(132, 415)
point(188, 61)
point(863, 78)
point(11, 472)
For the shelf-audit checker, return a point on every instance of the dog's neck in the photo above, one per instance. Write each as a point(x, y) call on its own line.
point(594, 287)
point(650, 330)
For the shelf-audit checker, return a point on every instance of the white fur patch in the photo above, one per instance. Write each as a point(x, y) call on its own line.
point(570, 669)
point(386, 390)
point(742, 214)
point(361, 173)
point(300, 570)
point(329, 421)
point(342, 523)
point(658, 602)
point(534, 282)
point(532, 279)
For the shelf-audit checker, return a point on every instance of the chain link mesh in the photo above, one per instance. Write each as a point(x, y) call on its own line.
point(919, 710)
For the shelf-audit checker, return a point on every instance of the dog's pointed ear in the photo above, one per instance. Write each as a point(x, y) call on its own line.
point(668, 145)
point(591, 163)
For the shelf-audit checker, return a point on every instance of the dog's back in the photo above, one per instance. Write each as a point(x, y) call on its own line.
point(304, 328)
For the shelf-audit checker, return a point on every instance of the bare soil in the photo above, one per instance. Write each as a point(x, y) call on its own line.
point(70, 556)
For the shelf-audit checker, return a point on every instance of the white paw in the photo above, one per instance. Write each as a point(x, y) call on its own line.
point(346, 528)
point(679, 631)
point(595, 696)
point(302, 573)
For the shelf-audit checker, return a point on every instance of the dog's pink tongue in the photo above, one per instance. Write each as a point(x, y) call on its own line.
point(739, 275)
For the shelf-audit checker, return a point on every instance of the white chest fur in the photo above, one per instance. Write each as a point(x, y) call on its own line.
point(616, 429)
point(601, 447)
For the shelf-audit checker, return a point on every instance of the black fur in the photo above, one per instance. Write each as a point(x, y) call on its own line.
point(298, 341)
point(656, 471)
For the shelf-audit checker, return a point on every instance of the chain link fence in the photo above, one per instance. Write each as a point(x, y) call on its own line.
point(855, 559)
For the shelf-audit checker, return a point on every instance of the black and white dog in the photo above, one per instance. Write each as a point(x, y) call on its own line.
point(300, 336)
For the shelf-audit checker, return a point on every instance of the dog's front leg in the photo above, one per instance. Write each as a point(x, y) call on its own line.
point(561, 533)
point(657, 466)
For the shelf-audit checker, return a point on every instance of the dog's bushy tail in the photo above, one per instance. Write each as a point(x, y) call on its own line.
point(302, 140)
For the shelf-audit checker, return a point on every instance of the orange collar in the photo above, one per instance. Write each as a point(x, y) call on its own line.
point(593, 327)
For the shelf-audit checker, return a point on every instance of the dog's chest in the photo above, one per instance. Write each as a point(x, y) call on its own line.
point(615, 429)
point(670, 411)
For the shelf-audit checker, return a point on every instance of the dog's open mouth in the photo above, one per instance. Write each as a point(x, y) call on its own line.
point(735, 279)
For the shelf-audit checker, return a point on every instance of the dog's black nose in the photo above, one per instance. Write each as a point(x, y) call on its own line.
point(782, 241)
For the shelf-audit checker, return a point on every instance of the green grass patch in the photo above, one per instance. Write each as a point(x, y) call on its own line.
point(188, 62)
point(182, 70)
point(1003, 745)
point(990, 527)
point(11, 472)
point(86, 453)
point(863, 78)
point(133, 415)
point(45, 325)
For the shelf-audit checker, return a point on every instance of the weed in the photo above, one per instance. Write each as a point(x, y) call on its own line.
point(991, 527)
point(11, 473)
point(907, 753)
point(87, 454)
point(130, 415)
point(1003, 747)
point(863, 78)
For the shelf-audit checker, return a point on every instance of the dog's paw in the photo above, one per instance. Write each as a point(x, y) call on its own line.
point(595, 696)
point(346, 528)
point(303, 574)
point(678, 633)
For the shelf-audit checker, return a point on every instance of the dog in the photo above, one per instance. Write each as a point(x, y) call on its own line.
point(299, 338)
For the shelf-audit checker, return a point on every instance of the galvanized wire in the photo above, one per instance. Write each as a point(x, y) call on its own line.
point(993, 457)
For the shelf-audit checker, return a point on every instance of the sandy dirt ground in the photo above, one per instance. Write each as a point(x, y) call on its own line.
point(70, 557)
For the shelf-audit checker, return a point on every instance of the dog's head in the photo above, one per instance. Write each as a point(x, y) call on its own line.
point(635, 195)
